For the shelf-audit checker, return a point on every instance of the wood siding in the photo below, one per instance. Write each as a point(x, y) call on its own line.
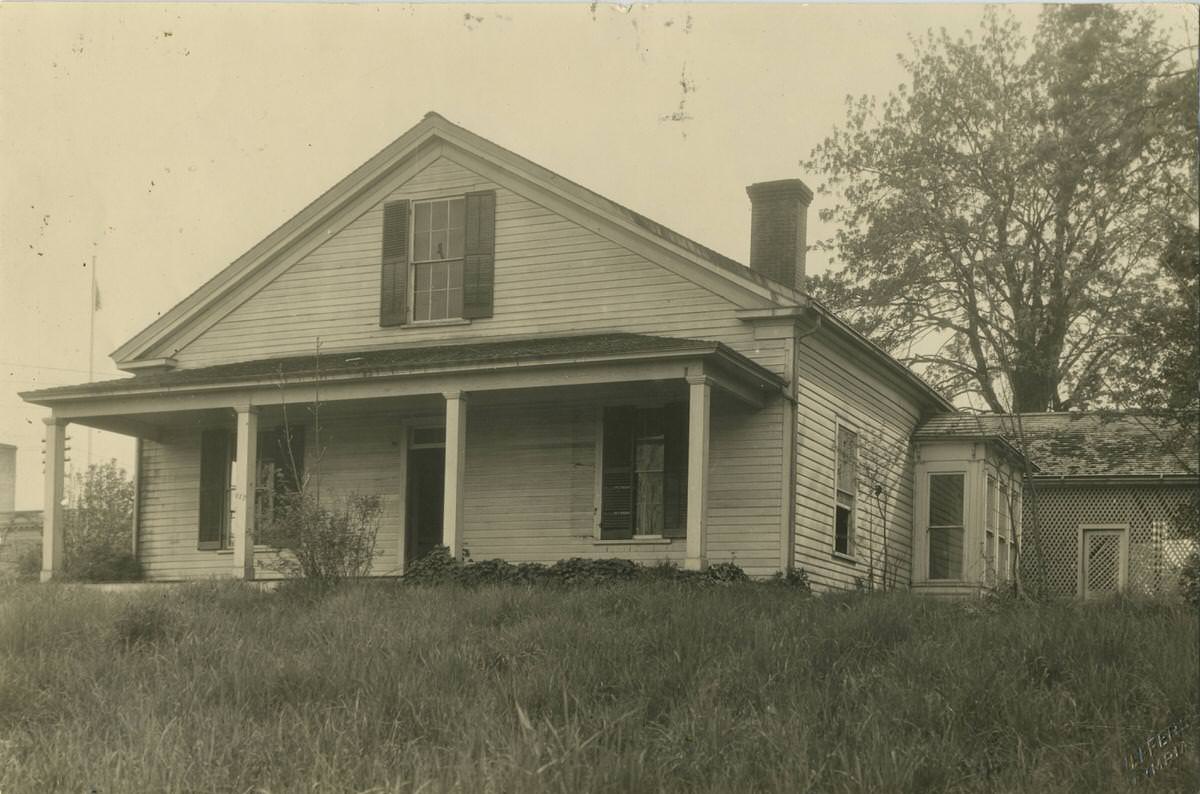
point(530, 488)
point(834, 383)
point(552, 276)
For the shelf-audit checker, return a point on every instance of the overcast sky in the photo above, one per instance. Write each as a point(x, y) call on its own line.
point(165, 140)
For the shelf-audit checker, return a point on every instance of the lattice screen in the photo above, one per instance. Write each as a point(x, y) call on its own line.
point(1162, 533)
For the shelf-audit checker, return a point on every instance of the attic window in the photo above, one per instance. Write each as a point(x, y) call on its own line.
point(438, 231)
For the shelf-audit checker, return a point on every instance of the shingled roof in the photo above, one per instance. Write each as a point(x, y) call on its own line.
point(1085, 444)
point(413, 360)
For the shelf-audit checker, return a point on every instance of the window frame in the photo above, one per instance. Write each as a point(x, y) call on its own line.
point(964, 475)
point(224, 542)
point(414, 263)
point(993, 533)
point(636, 536)
point(849, 555)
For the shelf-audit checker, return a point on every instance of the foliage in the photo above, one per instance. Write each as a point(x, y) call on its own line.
point(319, 543)
point(97, 523)
point(1007, 207)
point(1161, 365)
point(438, 567)
point(638, 686)
point(1189, 579)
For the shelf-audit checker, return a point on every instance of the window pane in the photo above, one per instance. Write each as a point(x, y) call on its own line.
point(437, 305)
point(421, 306)
point(420, 246)
point(991, 502)
point(1002, 560)
point(421, 278)
point(455, 275)
point(454, 300)
point(945, 500)
point(421, 217)
point(439, 215)
point(841, 534)
point(454, 244)
point(945, 553)
point(847, 459)
point(650, 503)
point(1004, 509)
point(458, 213)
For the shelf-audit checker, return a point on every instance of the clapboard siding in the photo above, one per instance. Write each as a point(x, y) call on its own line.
point(835, 383)
point(531, 496)
point(552, 277)
point(530, 488)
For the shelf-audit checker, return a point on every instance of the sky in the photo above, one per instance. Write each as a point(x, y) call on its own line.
point(165, 140)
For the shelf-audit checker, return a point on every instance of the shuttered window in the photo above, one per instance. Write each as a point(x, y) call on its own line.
point(644, 478)
point(846, 490)
point(438, 259)
point(216, 461)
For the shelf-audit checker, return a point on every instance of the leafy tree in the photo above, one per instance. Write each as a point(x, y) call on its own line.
point(1002, 214)
point(97, 525)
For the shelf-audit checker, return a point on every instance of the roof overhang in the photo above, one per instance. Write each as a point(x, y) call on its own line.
point(122, 405)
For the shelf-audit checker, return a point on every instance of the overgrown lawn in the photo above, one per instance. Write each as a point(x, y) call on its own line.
point(629, 687)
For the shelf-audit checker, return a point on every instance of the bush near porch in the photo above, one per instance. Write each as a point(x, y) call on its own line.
point(640, 686)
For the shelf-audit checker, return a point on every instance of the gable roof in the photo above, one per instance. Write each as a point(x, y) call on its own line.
point(434, 127)
point(1085, 444)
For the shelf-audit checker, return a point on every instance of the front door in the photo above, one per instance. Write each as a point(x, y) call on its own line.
point(426, 479)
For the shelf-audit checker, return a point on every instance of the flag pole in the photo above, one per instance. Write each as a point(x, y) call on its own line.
point(91, 350)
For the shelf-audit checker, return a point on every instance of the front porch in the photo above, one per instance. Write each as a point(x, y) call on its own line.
point(498, 449)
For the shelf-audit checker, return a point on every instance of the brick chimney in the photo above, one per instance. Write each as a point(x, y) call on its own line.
point(779, 229)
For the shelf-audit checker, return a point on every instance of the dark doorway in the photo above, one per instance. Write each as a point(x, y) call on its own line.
point(426, 481)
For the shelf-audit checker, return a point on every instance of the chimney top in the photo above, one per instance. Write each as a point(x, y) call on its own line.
point(781, 189)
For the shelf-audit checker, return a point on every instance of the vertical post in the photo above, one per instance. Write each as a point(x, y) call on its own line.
point(699, 410)
point(52, 521)
point(137, 495)
point(242, 524)
point(456, 458)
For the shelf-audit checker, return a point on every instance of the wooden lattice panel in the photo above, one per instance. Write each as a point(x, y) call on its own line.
point(1161, 529)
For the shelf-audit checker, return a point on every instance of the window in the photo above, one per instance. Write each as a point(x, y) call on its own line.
point(946, 526)
point(280, 465)
point(846, 490)
point(989, 547)
point(1005, 532)
point(644, 472)
point(438, 259)
point(438, 233)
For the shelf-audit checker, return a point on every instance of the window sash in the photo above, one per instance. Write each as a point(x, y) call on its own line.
point(439, 229)
point(946, 534)
point(437, 290)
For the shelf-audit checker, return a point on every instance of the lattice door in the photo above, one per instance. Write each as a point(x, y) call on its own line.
point(1103, 561)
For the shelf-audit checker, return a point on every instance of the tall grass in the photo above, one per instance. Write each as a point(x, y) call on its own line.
point(634, 687)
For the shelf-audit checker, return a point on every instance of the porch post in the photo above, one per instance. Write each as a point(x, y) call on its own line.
point(456, 458)
point(52, 518)
point(244, 487)
point(699, 402)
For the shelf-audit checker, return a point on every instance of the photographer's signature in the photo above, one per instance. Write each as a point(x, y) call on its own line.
point(1159, 751)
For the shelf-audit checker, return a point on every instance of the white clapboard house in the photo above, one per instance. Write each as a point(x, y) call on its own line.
point(527, 370)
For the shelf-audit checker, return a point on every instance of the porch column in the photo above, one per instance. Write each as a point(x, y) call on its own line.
point(456, 458)
point(244, 487)
point(699, 402)
point(52, 519)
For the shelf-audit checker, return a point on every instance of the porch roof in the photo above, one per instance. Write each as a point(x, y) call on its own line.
point(398, 361)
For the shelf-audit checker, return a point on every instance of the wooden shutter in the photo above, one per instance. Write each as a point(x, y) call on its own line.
point(616, 490)
point(675, 470)
point(479, 255)
point(215, 456)
point(393, 291)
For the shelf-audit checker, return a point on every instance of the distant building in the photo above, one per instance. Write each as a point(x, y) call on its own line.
point(19, 529)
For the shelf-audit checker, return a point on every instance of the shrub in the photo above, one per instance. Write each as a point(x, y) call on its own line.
point(1189, 579)
point(29, 561)
point(796, 577)
point(98, 562)
point(314, 542)
point(438, 567)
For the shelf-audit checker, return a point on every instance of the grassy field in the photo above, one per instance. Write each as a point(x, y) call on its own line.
point(636, 687)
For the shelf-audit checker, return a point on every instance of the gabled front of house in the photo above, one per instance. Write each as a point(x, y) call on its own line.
point(523, 369)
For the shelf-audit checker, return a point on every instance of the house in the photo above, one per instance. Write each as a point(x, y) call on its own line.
point(524, 369)
point(19, 529)
point(1113, 502)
